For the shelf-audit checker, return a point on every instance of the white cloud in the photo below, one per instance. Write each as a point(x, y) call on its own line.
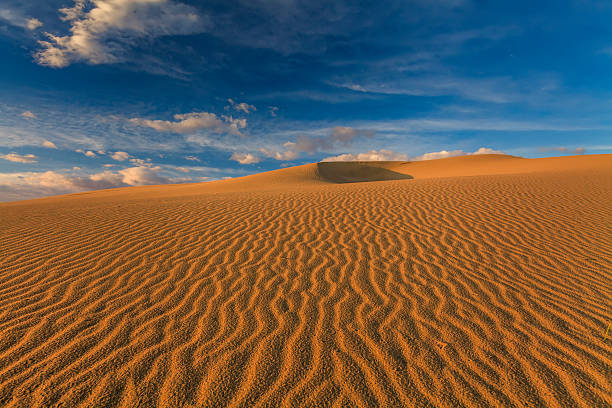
point(245, 158)
point(138, 176)
point(16, 186)
point(242, 106)
point(372, 155)
point(120, 156)
point(17, 158)
point(442, 154)
point(487, 150)
point(28, 115)
point(49, 144)
point(191, 122)
point(454, 153)
point(103, 33)
point(33, 23)
point(89, 153)
point(192, 158)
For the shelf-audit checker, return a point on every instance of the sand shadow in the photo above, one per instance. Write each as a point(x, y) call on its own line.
point(357, 172)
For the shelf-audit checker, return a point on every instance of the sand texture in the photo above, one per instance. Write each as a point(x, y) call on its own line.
point(466, 282)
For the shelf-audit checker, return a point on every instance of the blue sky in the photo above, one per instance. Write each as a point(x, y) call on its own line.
point(108, 93)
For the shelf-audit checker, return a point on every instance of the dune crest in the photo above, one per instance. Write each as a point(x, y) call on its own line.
point(482, 281)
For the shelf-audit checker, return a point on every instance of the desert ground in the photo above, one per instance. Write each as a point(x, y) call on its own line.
point(473, 281)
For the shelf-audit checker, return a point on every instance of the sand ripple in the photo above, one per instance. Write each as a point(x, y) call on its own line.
point(455, 292)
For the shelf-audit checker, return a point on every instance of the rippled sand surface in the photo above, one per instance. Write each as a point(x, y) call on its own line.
point(472, 281)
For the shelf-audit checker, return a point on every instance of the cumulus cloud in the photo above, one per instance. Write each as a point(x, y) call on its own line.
point(17, 158)
point(15, 186)
point(89, 153)
point(28, 115)
point(191, 122)
point(454, 153)
point(562, 149)
point(49, 144)
point(245, 158)
point(242, 106)
point(33, 23)
point(120, 156)
point(103, 33)
point(372, 155)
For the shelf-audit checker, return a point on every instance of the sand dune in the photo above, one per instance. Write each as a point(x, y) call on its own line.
point(471, 281)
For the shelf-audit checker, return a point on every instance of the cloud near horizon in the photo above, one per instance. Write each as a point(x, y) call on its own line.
point(372, 155)
point(337, 136)
point(443, 154)
point(14, 186)
point(388, 155)
point(562, 149)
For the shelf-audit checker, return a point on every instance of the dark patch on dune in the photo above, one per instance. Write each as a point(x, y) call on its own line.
point(356, 172)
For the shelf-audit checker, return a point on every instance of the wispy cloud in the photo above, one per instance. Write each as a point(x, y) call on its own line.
point(17, 158)
point(17, 19)
point(241, 107)
point(337, 136)
point(562, 149)
point(103, 34)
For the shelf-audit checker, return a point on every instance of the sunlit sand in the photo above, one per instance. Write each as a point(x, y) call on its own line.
point(469, 281)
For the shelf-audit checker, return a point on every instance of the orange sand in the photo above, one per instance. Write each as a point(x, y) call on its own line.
point(482, 281)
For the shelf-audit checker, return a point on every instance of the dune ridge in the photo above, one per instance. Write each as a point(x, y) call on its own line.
point(482, 281)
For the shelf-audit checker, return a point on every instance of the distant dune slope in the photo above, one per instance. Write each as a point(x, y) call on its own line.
point(480, 281)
